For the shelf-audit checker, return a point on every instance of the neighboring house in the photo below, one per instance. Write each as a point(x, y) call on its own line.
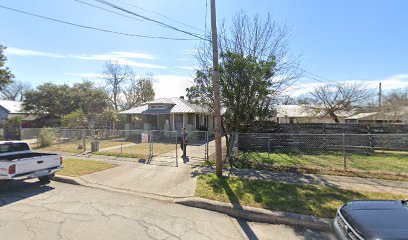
point(10, 109)
point(378, 117)
point(305, 114)
point(169, 114)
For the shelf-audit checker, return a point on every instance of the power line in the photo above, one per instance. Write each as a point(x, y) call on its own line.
point(162, 15)
point(107, 10)
point(94, 28)
point(150, 19)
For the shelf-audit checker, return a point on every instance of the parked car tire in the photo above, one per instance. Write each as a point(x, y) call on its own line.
point(46, 179)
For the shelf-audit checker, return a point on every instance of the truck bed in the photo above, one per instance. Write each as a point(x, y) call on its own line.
point(24, 155)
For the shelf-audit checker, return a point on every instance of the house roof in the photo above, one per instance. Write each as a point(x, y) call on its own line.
point(371, 116)
point(178, 106)
point(359, 116)
point(304, 111)
point(12, 106)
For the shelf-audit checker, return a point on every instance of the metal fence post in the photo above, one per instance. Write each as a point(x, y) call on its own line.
point(151, 144)
point(206, 147)
point(176, 149)
point(269, 147)
point(344, 153)
point(59, 138)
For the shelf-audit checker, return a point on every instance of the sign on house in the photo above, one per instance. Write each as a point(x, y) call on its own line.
point(145, 137)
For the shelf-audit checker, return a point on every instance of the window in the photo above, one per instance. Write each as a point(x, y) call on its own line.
point(190, 118)
point(157, 106)
point(291, 120)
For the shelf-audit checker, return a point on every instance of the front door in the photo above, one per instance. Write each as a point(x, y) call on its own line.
point(178, 118)
point(197, 122)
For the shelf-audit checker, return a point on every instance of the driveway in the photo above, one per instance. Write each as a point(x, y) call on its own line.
point(62, 211)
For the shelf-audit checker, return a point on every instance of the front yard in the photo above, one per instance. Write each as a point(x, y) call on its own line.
point(302, 199)
point(387, 165)
point(72, 146)
point(140, 150)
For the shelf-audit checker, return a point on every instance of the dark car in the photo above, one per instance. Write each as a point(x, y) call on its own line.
point(372, 220)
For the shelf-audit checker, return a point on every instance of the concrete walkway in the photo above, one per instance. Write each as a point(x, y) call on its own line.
point(342, 182)
point(162, 177)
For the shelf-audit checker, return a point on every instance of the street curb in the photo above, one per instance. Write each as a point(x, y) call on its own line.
point(258, 214)
point(69, 180)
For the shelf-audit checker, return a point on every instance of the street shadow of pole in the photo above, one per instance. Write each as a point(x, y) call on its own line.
point(236, 204)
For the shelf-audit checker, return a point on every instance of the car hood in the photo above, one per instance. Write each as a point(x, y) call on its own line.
point(377, 219)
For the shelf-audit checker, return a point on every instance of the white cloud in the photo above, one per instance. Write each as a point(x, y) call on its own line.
point(171, 85)
point(31, 53)
point(124, 58)
point(86, 75)
point(186, 68)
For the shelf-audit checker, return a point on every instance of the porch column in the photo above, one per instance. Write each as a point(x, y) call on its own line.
point(172, 117)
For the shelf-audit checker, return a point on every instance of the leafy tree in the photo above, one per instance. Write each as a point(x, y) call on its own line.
point(115, 76)
point(54, 101)
point(49, 99)
point(246, 85)
point(106, 119)
point(75, 119)
point(330, 99)
point(138, 91)
point(6, 76)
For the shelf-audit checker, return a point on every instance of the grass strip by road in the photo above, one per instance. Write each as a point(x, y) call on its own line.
point(78, 167)
point(313, 200)
point(393, 166)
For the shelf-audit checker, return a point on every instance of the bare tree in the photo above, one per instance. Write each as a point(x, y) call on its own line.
point(263, 39)
point(15, 91)
point(139, 90)
point(330, 99)
point(115, 76)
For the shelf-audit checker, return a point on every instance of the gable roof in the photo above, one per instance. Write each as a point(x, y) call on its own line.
point(12, 106)
point(304, 111)
point(179, 106)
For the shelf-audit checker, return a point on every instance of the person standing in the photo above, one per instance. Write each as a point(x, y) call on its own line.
point(184, 142)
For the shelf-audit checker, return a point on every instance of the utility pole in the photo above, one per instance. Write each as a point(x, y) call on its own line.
point(217, 95)
point(379, 97)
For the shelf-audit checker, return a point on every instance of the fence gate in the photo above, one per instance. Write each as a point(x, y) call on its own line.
point(164, 148)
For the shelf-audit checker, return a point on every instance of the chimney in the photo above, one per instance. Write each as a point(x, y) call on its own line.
point(182, 97)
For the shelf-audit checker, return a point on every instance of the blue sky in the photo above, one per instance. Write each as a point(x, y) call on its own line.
point(347, 40)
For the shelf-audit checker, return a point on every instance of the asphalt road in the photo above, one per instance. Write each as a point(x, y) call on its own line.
point(62, 211)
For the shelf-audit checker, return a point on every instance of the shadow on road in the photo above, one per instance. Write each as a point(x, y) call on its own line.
point(236, 204)
point(14, 191)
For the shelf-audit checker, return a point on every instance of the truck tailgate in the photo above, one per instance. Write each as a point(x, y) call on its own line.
point(33, 164)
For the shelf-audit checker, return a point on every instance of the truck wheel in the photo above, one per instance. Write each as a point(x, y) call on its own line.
point(46, 179)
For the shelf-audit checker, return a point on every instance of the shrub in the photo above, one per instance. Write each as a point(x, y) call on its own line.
point(46, 137)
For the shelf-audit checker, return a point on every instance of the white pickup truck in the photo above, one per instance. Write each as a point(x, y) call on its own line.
point(18, 162)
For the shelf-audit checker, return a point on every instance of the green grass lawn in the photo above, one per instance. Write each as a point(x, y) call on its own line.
point(382, 165)
point(302, 199)
point(140, 150)
point(79, 167)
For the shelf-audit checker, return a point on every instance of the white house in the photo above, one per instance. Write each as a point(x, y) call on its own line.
point(305, 114)
point(169, 114)
point(10, 108)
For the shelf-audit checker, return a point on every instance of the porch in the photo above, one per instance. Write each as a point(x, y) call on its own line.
point(171, 122)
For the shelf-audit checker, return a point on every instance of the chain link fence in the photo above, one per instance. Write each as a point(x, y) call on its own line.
point(153, 147)
point(387, 153)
